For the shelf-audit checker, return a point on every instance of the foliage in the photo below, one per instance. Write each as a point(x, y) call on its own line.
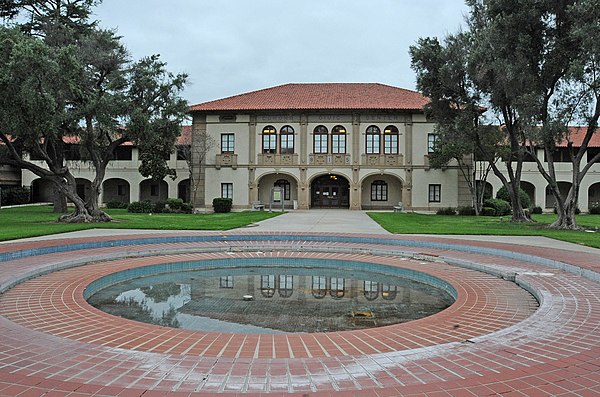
point(537, 210)
point(222, 205)
point(501, 207)
point(117, 204)
point(141, 207)
point(446, 211)
point(503, 195)
point(470, 211)
point(15, 195)
point(595, 209)
point(488, 211)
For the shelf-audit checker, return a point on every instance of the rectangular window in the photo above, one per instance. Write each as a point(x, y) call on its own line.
point(435, 193)
point(431, 141)
point(379, 191)
point(269, 143)
point(287, 143)
point(320, 143)
point(153, 190)
point(338, 143)
point(120, 190)
point(390, 144)
point(373, 144)
point(227, 143)
point(227, 190)
point(123, 153)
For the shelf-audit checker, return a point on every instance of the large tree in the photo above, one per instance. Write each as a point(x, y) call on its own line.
point(114, 101)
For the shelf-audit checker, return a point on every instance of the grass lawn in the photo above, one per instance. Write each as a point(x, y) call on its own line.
point(34, 221)
point(411, 223)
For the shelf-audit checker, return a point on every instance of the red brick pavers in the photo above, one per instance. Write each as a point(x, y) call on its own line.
point(52, 341)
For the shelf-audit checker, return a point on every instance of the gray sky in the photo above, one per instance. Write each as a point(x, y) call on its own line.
point(229, 47)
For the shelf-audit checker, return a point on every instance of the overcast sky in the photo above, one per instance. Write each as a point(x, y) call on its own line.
point(229, 47)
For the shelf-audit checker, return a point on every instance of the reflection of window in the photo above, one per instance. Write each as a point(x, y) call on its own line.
point(227, 143)
point(431, 142)
point(286, 140)
point(226, 282)
point(373, 133)
point(338, 287)
point(338, 140)
point(371, 290)
point(320, 140)
point(269, 139)
point(267, 285)
point(435, 193)
point(285, 186)
point(390, 140)
point(379, 191)
point(319, 286)
point(227, 190)
point(388, 292)
point(286, 285)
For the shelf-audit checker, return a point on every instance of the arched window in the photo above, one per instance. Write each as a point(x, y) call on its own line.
point(286, 140)
point(390, 140)
point(338, 287)
point(371, 290)
point(338, 140)
point(373, 136)
point(319, 287)
point(286, 285)
point(320, 140)
point(267, 285)
point(269, 139)
point(379, 191)
point(389, 292)
point(285, 186)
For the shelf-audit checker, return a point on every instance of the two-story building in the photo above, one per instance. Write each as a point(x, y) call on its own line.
point(342, 145)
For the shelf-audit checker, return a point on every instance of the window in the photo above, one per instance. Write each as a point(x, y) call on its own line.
point(269, 139)
point(390, 140)
point(267, 285)
point(431, 142)
point(320, 135)
point(123, 153)
point(286, 140)
point(338, 140)
point(226, 282)
point(153, 190)
point(435, 193)
point(373, 133)
point(227, 143)
point(120, 190)
point(379, 191)
point(285, 186)
point(227, 190)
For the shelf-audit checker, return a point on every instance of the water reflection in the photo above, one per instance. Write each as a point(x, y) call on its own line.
point(283, 300)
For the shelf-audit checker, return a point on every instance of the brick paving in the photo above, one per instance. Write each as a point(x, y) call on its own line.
point(493, 341)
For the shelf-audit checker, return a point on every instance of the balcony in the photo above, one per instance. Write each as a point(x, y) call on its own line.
point(329, 159)
point(382, 160)
point(272, 159)
point(226, 160)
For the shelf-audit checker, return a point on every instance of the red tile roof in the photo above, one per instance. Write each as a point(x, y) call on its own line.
point(576, 135)
point(333, 96)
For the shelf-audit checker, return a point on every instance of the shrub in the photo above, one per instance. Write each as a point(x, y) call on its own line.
point(536, 210)
point(222, 205)
point(595, 209)
point(186, 208)
point(174, 203)
point(488, 211)
point(502, 207)
point(466, 211)
point(503, 195)
point(117, 204)
point(446, 211)
point(141, 207)
point(160, 207)
point(15, 195)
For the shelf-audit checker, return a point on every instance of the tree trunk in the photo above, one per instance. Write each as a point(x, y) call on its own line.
point(59, 201)
point(93, 204)
point(566, 210)
point(519, 214)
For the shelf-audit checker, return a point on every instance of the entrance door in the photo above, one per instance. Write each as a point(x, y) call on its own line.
point(330, 191)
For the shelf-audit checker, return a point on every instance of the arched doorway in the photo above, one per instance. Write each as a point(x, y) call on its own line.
point(381, 192)
point(594, 195)
point(529, 188)
point(563, 187)
point(84, 189)
point(115, 190)
point(184, 190)
point(330, 191)
point(42, 191)
point(153, 190)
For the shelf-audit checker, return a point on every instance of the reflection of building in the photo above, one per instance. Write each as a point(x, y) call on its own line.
point(357, 146)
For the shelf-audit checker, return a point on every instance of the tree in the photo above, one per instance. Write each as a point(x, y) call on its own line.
point(194, 156)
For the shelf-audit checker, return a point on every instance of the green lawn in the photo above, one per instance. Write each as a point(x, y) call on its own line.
point(411, 223)
point(34, 221)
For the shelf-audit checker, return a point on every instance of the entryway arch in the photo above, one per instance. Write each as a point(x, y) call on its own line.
point(330, 191)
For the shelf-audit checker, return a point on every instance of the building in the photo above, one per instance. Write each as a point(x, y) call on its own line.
point(357, 146)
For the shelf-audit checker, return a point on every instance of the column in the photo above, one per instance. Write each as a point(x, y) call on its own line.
point(408, 161)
